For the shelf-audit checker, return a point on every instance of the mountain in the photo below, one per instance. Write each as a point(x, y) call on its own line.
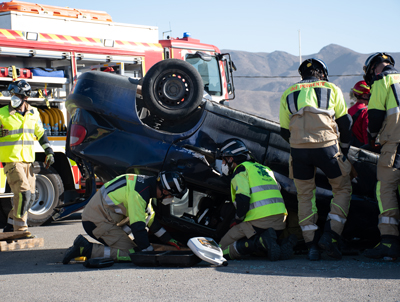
point(261, 96)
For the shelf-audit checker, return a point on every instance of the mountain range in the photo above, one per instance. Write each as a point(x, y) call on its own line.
point(261, 78)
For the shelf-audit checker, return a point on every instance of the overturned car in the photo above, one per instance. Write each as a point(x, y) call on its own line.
point(171, 126)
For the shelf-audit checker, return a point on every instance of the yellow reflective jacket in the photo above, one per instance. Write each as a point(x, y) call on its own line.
point(122, 198)
point(265, 196)
point(308, 109)
point(18, 146)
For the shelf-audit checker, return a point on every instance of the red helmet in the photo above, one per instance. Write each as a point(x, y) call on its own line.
point(361, 88)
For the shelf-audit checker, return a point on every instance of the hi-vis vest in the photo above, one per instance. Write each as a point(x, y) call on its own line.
point(18, 146)
point(385, 96)
point(121, 197)
point(265, 196)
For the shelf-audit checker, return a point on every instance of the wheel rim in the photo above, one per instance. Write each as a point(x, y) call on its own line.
point(172, 89)
point(44, 197)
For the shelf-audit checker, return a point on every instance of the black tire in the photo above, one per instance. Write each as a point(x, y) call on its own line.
point(49, 190)
point(172, 89)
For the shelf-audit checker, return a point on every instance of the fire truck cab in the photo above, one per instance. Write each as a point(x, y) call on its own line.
point(50, 47)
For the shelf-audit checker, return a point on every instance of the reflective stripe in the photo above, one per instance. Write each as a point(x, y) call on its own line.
point(264, 202)
point(160, 232)
point(18, 223)
point(291, 103)
point(228, 145)
point(126, 229)
point(27, 143)
point(107, 251)
point(323, 97)
point(345, 145)
point(115, 185)
point(388, 220)
point(393, 111)
point(22, 130)
point(234, 247)
point(396, 92)
point(109, 201)
point(10, 220)
point(336, 218)
point(166, 182)
point(45, 146)
point(263, 188)
point(311, 227)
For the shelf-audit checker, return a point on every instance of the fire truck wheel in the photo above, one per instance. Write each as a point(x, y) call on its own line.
point(172, 89)
point(49, 189)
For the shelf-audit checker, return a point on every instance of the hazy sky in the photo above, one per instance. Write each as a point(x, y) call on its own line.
point(263, 26)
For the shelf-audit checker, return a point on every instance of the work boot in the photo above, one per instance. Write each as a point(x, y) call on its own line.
point(314, 253)
point(287, 246)
point(8, 228)
point(269, 244)
point(328, 243)
point(81, 247)
point(388, 249)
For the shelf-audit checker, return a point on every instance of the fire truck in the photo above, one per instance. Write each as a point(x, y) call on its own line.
point(50, 47)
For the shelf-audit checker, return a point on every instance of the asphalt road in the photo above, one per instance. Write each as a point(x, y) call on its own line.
point(39, 275)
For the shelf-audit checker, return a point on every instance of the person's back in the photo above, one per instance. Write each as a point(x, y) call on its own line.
point(359, 113)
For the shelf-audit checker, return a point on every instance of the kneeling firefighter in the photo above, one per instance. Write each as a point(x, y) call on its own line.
point(260, 209)
point(128, 195)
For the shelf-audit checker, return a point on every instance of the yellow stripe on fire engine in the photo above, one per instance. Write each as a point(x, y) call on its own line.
point(55, 38)
point(84, 40)
point(152, 45)
point(70, 39)
point(42, 38)
point(7, 34)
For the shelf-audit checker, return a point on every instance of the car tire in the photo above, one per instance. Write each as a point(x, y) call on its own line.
point(49, 190)
point(172, 89)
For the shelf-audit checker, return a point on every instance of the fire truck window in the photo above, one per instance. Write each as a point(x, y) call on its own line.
point(209, 72)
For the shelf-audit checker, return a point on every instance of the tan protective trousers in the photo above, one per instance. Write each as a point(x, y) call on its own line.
point(245, 229)
point(20, 178)
point(118, 241)
point(340, 204)
point(388, 182)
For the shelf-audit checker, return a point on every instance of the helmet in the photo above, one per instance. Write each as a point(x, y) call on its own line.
point(372, 61)
point(21, 87)
point(313, 64)
point(233, 147)
point(173, 182)
point(361, 88)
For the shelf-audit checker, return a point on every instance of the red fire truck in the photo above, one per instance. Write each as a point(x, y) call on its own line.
point(51, 46)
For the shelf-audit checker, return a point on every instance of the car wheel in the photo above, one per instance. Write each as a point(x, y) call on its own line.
point(172, 89)
point(49, 189)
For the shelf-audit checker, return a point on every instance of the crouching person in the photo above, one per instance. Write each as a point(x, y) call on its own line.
point(260, 209)
point(128, 195)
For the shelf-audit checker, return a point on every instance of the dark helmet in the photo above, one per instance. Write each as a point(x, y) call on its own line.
point(173, 182)
point(233, 147)
point(21, 87)
point(314, 64)
point(372, 61)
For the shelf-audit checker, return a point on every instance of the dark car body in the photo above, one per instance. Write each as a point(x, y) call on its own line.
point(121, 139)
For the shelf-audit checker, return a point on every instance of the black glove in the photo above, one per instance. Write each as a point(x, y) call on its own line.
point(345, 151)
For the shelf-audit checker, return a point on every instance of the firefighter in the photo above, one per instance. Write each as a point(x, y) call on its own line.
point(311, 111)
point(128, 195)
point(358, 112)
point(19, 124)
point(260, 209)
point(383, 115)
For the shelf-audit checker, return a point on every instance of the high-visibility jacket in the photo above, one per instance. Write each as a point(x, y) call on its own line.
point(384, 106)
point(18, 146)
point(122, 198)
point(311, 110)
point(265, 196)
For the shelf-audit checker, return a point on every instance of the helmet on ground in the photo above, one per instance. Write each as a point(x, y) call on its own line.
point(21, 87)
point(361, 88)
point(233, 147)
point(371, 63)
point(313, 64)
point(173, 182)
